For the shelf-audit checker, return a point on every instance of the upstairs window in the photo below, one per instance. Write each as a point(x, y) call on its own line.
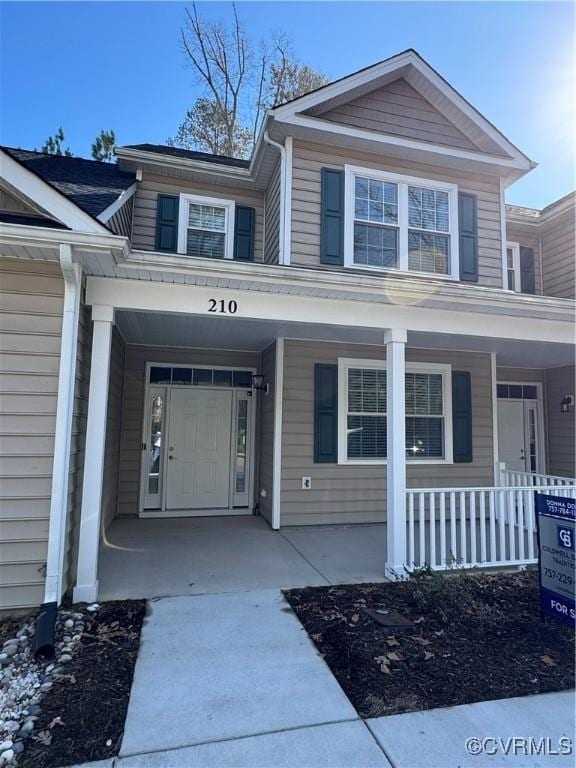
point(400, 222)
point(513, 266)
point(206, 227)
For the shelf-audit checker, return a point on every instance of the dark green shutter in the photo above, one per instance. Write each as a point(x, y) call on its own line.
point(244, 228)
point(325, 414)
point(527, 276)
point(468, 236)
point(332, 218)
point(167, 223)
point(462, 416)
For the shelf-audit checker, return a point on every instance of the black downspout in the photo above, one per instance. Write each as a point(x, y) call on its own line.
point(43, 645)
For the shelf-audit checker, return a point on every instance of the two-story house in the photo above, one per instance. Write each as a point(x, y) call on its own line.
point(349, 327)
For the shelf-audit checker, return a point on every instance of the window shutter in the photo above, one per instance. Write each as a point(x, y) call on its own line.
point(462, 416)
point(527, 276)
point(325, 414)
point(244, 228)
point(332, 218)
point(468, 236)
point(167, 223)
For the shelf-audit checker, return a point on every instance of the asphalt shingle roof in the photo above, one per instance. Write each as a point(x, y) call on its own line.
point(162, 149)
point(90, 184)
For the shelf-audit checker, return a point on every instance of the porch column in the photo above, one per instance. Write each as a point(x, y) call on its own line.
point(86, 588)
point(395, 341)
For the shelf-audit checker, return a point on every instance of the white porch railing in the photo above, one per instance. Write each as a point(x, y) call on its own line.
point(466, 527)
point(509, 477)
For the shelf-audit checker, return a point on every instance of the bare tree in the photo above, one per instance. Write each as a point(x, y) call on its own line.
point(238, 85)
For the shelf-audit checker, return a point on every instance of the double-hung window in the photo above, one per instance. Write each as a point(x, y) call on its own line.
point(401, 222)
point(513, 266)
point(363, 412)
point(206, 227)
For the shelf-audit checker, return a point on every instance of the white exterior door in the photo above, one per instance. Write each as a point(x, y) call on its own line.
point(198, 471)
point(511, 435)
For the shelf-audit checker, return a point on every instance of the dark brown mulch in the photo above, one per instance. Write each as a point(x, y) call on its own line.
point(474, 638)
point(92, 704)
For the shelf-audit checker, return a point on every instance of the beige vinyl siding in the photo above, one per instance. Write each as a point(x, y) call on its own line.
point(309, 159)
point(9, 202)
point(113, 431)
point(398, 109)
point(272, 220)
point(357, 493)
point(561, 431)
point(266, 447)
point(559, 256)
point(521, 375)
point(121, 222)
point(136, 358)
point(528, 237)
point(144, 219)
point(31, 301)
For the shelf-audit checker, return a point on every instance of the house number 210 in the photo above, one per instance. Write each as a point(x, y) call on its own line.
point(223, 307)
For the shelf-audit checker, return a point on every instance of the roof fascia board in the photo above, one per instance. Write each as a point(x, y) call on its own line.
point(107, 213)
point(383, 138)
point(158, 159)
point(46, 196)
point(46, 237)
point(384, 68)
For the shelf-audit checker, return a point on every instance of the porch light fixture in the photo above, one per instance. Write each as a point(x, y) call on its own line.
point(566, 403)
point(258, 383)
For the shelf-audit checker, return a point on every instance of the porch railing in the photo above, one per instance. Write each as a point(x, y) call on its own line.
point(509, 477)
point(466, 527)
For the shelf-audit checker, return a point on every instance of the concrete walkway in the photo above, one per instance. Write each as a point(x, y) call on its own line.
point(233, 681)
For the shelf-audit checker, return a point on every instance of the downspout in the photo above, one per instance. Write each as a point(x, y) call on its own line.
point(283, 231)
point(72, 274)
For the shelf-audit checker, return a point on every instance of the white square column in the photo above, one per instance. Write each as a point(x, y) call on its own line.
point(395, 341)
point(86, 589)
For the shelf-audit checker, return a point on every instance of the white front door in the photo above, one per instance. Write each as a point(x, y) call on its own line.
point(511, 433)
point(198, 471)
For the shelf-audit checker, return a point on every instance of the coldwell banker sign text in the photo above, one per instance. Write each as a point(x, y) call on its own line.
point(556, 524)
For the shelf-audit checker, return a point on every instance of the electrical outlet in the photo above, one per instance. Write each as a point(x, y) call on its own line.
point(306, 483)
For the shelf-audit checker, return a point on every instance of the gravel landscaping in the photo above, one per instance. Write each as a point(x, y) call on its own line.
point(437, 640)
point(70, 709)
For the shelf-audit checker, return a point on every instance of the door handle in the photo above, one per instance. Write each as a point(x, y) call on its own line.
point(171, 457)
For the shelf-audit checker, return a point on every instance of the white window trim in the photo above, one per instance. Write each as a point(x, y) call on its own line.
point(230, 212)
point(351, 171)
point(344, 363)
point(515, 248)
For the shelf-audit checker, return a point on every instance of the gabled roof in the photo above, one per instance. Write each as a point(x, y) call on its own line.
point(91, 185)
point(188, 154)
point(409, 65)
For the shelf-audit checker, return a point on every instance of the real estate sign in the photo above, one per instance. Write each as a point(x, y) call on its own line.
point(556, 516)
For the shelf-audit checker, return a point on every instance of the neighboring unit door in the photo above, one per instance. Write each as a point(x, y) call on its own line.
point(511, 435)
point(198, 473)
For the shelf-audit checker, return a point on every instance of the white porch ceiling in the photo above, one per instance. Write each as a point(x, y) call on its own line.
point(175, 330)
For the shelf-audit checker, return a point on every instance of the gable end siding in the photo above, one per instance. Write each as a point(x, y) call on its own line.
point(399, 110)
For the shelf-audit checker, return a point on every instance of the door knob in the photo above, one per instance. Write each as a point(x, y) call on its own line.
point(171, 457)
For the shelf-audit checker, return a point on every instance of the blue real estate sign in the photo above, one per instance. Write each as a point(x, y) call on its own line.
point(556, 517)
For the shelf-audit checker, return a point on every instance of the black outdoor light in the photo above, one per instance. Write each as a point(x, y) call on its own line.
point(566, 403)
point(258, 383)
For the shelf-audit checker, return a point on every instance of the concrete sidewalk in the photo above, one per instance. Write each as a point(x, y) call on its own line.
point(233, 681)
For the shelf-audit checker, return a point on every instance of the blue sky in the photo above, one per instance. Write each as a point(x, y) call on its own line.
point(88, 66)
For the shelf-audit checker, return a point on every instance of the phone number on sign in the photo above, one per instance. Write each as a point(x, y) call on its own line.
point(561, 578)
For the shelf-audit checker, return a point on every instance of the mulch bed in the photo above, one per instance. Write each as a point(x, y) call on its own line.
point(83, 716)
point(474, 638)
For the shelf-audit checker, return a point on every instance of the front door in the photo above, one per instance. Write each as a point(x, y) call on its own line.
point(198, 471)
point(511, 443)
point(519, 438)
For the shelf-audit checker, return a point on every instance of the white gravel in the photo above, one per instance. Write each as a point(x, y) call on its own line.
point(24, 682)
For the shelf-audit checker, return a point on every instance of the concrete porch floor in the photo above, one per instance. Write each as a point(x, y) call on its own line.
point(191, 556)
